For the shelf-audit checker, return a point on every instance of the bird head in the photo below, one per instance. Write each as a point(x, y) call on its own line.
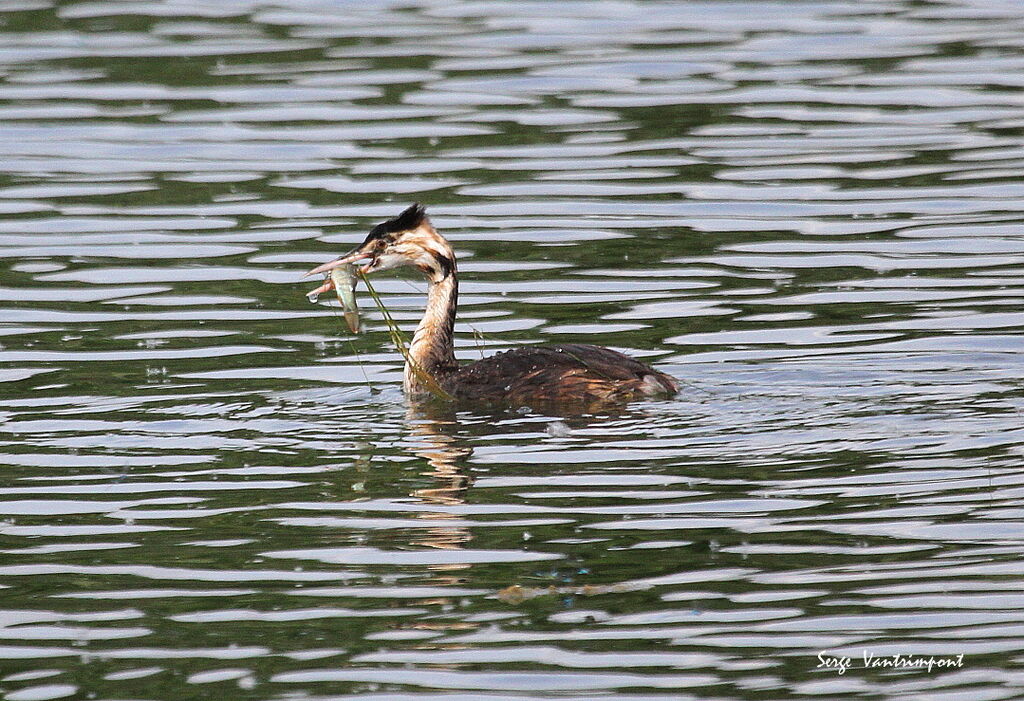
point(407, 240)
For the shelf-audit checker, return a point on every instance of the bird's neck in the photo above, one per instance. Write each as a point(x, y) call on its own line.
point(432, 350)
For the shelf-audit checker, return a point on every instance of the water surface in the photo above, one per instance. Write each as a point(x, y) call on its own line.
point(808, 212)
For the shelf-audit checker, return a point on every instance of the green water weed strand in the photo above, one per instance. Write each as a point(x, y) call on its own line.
point(427, 379)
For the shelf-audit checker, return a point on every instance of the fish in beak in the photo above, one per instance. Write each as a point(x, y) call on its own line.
point(342, 278)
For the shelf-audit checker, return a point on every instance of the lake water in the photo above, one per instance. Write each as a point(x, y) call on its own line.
point(810, 213)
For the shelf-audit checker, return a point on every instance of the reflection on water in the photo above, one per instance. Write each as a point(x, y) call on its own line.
point(809, 213)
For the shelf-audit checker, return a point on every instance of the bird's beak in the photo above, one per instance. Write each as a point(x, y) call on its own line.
point(354, 257)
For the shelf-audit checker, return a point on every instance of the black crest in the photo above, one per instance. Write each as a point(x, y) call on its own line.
point(409, 219)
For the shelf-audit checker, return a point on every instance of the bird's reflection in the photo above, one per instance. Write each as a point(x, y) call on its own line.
point(443, 441)
point(433, 430)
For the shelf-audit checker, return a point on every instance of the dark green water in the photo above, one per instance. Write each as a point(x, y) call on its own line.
point(808, 212)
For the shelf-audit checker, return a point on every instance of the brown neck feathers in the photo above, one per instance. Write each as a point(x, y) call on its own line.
point(432, 349)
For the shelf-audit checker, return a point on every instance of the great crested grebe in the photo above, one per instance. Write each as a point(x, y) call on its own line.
point(560, 373)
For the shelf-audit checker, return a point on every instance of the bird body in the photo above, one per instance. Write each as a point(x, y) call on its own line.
point(569, 373)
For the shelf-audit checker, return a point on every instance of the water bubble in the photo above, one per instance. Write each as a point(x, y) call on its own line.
point(558, 429)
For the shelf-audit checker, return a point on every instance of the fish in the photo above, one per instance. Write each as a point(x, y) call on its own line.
point(342, 280)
